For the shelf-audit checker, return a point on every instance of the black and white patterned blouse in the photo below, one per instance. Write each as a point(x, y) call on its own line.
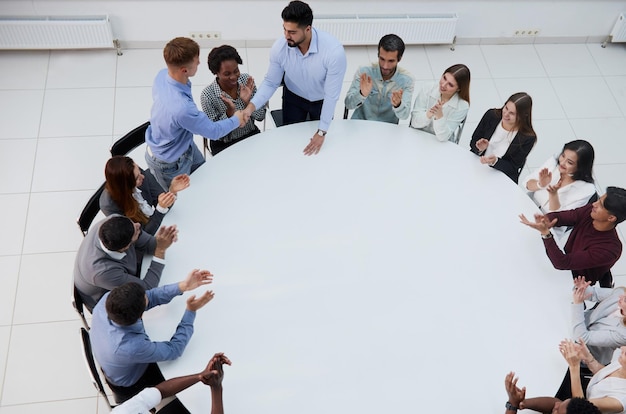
point(215, 108)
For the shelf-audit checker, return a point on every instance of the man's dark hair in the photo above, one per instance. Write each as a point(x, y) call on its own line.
point(220, 54)
point(390, 43)
point(615, 203)
point(125, 304)
point(298, 12)
point(581, 406)
point(116, 233)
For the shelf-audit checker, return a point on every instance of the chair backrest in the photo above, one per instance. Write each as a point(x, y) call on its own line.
point(90, 211)
point(130, 141)
point(91, 365)
point(456, 136)
point(277, 116)
point(345, 112)
point(77, 303)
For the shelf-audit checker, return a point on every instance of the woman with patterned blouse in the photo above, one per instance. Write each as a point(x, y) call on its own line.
point(230, 92)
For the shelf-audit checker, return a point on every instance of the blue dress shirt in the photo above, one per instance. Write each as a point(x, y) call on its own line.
point(314, 76)
point(124, 352)
point(175, 118)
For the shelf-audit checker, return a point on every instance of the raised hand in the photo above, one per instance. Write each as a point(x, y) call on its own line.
point(194, 279)
point(230, 104)
point(193, 303)
point(245, 91)
point(166, 200)
point(179, 183)
point(165, 236)
point(396, 98)
point(482, 144)
point(366, 84)
point(541, 224)
point(553, 189)
point(571, 352)
point(213, 374)
point(516, 395)
point(436, 111)
point(545, 178)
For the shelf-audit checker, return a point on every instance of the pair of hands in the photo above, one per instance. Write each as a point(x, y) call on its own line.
point(580, 287)
point(213, 374)
point(195, 279)
point(545, 178)
point(366, 84)
point(179, 183)
point(575, 352)
point(245, 93)
point(436, 110)
point(541, 223)
point(481, 146)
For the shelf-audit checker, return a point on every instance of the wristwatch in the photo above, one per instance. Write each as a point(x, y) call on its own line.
point(546, 236)
point(511, 407)
point(321, 133)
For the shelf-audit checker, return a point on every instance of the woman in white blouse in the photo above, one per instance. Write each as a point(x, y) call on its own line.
point(564, 182)
point(441, 107)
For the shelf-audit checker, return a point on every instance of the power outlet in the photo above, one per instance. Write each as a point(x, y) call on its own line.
point(526, 33)
point(205, 35)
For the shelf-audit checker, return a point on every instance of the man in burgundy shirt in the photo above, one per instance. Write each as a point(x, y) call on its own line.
point(593, 247)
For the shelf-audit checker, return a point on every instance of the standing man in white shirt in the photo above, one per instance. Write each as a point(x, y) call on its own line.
point(312, 64)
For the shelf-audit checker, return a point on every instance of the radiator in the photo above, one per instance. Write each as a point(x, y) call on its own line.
point(618, 34)
point(367, 30)
point(56, 32)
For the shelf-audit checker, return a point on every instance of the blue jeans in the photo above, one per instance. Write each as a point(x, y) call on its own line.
point(164, 172)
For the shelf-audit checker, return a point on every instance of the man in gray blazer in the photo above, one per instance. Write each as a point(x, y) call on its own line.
point(110, 254)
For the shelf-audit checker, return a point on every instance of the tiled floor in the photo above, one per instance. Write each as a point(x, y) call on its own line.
point(62, 110)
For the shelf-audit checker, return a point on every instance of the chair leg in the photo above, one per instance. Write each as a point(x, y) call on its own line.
point(205, 147)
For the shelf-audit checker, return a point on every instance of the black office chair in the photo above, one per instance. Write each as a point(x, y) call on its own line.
point(96, 380)
point(90, 211)
point(77, 303)
point(345, 112)
point(130, 141)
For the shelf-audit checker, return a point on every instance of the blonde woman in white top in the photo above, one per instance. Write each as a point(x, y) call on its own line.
point(440, 108)
point(564, 182)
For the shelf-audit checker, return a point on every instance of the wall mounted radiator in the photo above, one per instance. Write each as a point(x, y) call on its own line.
point(367, 30)
point(56, 32)
point(618, 34)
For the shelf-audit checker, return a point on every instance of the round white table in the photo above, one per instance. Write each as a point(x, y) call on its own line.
point(389, 273)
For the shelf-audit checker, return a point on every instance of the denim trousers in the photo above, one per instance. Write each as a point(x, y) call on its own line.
point(164, 172)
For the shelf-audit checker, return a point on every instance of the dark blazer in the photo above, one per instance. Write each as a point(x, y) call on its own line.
point(514, 159)
point(150, 190)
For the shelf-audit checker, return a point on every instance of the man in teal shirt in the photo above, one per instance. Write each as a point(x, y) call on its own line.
point(382, 91)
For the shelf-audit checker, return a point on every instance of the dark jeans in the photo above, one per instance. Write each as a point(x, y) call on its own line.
point(565, 391)
point(217, 145)
point(297, 109)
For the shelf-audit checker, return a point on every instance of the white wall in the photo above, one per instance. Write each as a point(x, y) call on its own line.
point(152, 22)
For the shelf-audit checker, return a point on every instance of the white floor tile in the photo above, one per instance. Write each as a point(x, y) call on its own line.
point(80, 405)
point(51, 224)
point(65, 375)
point(617, 85)
point(138, 67)
point(587, 97)
point(21, 113)
point(613, 175)
point(606, 136)
point(61, 163)
point(513, 61)
point(483, 96)
point(611, 60)
point(132, 108)
point(77, 112)
point(5, 336)
point(546, 104)
point(441, 57)
point(561, 60)
point(45, 279)
point(10, 266)
point(12, 222)
point(82, 69)
point(32, 72)
point(17, 157)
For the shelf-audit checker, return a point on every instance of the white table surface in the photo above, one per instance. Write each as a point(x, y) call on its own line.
point(389, 273)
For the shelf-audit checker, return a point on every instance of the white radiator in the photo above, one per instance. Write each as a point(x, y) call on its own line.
point(367, 30)
point(56, 32)
point(618, 34)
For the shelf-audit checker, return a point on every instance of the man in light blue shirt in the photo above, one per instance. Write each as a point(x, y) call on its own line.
point(312, 64)
point(382, 91)
point(175, 118)
point(119, 342)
